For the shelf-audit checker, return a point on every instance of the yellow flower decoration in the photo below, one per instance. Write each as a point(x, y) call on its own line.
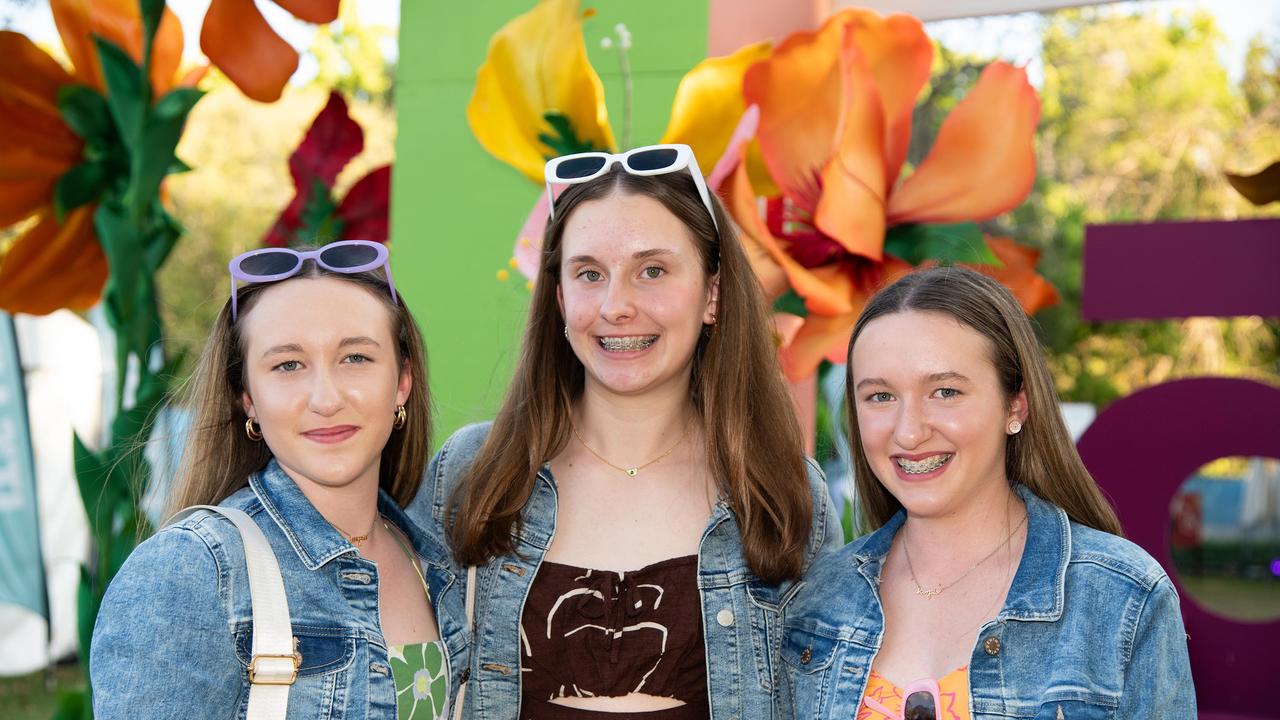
point(536, 95)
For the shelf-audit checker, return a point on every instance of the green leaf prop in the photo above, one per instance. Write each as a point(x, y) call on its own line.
point(128, 91)
point(129, 148)
point(792, 303)
point(946, 244)
point(564, 140)
point(87, 114)
point(81, 185)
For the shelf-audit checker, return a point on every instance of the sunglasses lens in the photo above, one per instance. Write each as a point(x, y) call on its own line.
point(349, 256)
point(656, 159)
point(919, 706)
point(269, 263)
point(581, 167)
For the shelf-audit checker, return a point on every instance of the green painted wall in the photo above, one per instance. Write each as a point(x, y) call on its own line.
point(456, 210)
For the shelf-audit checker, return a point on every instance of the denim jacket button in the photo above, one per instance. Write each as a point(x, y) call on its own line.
point(725, 617)
point(991, 645)
point(806, 655)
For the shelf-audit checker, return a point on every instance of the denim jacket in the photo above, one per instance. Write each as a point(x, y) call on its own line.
point(1090, 629)
point(740, 613)
point(173, 636)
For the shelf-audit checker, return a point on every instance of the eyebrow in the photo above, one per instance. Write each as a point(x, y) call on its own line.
point(640, 255)
point(359, 340)
point(931, 377)
point(296, 348)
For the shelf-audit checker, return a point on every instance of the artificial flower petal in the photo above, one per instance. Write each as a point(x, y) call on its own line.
point(823, 293)
point(899, 56)
point(821, 337)
point(333, 139)
point(239, 41)
point(1260, 188)
point(312, 11)
point(19, 200)
point(366, 208)
point(708, 104)
point(528, 249)
point(854, 183)
point(118, 21)
point(54, 265)
point(798, 91)
point(983, 161)
point(1018, 273)
point(28, 76)
point(537, 64)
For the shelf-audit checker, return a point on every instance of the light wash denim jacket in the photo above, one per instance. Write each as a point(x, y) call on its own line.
point(1090, 629)
point(173, 636)
point(740, 613)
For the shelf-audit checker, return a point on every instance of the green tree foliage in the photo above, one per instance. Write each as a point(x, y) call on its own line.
point(350, 58)
point(1140, 119)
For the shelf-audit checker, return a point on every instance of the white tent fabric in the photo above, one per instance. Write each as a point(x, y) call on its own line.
point(61, 357)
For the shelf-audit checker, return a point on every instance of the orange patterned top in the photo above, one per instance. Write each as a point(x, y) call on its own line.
point(883, 700)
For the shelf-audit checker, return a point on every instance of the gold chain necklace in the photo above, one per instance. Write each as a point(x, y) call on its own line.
point(357, 540)
point(929, 594)
point(631, 471)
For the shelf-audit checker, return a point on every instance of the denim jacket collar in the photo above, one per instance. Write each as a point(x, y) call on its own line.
point(1046, 553)
point(311, 536)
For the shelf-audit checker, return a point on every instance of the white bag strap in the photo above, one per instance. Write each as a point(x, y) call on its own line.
point(471, 626)
point(274, 665)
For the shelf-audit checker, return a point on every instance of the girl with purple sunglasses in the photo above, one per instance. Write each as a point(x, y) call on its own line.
point(310, 432)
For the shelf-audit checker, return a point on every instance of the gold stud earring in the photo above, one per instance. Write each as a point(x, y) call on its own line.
point(402, 417)
point(566, 332)
point(253, 430)
point(1015, 427)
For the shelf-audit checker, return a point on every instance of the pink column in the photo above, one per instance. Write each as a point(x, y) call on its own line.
point(734, 23)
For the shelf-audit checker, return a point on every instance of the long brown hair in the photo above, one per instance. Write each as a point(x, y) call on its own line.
point(1041, 456)
point(219, 457)
point(753, 442)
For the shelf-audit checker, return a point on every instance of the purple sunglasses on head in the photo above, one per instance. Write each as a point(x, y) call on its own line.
point(344, 256)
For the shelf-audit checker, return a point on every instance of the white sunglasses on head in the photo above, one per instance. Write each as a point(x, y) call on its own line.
point(648, 160)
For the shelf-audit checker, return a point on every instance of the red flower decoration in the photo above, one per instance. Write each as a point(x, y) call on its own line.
point(315, 216)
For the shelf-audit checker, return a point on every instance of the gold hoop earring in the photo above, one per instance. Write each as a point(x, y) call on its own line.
point(253, 430)
point(402, 417)
point(566, 332)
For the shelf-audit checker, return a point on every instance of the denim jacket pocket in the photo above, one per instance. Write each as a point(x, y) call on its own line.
point(1064, 704)
point(322, 650)
point(766, 603)
point(808, 658)
point(1074, 710)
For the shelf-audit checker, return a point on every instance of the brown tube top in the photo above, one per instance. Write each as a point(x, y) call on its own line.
point(589, 633)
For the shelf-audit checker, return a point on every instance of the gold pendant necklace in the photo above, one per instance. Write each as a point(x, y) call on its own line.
point(630, 471)
point(930, 594)
point(357, 540)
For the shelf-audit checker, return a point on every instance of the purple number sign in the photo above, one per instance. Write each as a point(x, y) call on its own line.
point(1142, 447)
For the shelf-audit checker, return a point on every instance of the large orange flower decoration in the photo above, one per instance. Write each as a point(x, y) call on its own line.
point(58, 262)
point(835, 121)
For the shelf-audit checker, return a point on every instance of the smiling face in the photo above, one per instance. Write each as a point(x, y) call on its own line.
point(322, 379)
point(932, 417)
point(634, 295)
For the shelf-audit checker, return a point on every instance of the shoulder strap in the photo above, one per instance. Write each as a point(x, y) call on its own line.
point(471, 626)
point(274, 665)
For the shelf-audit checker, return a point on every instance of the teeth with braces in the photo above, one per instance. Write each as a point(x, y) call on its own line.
point(919, 467)
point(627, 344)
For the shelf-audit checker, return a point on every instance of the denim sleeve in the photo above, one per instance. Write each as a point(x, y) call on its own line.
point(1157, 682)
point(162, 645)
point(826, 519)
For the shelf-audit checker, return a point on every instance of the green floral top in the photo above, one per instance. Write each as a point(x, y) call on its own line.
point(422, 685)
